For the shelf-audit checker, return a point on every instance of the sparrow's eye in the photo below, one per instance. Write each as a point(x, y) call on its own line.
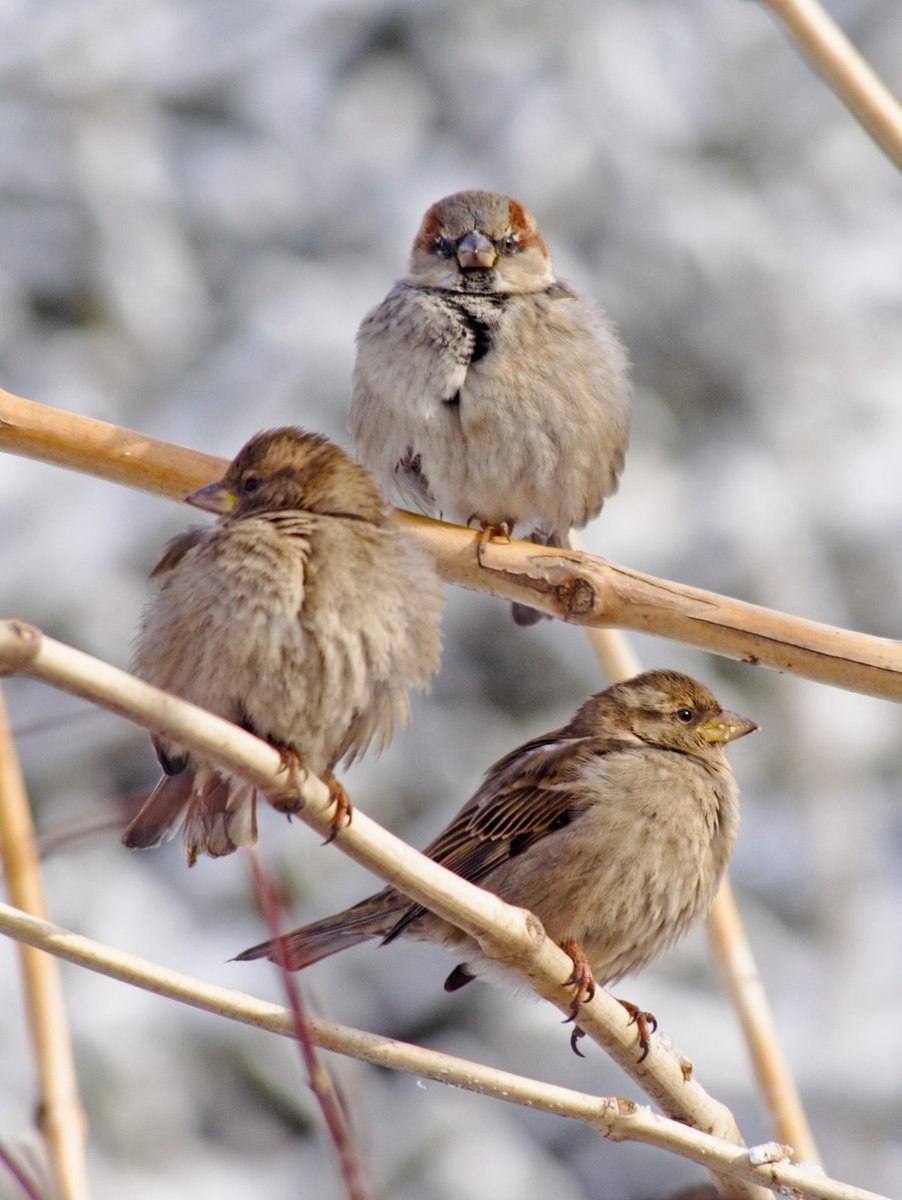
point(249, 484)
point(685, 715)
point(444, 248)
point(510, 245)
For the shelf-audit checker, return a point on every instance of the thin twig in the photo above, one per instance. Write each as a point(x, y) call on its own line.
point(317, 1076)
point(734, 957)
point(619, 1120)
point(845, 70)
point(28, 1186)
point(62, 1115)
point(572, 586)
point(510, 935)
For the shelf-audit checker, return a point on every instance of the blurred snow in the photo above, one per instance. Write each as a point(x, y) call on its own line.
point(198, 203)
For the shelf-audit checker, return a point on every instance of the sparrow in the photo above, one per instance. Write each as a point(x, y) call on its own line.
point(484, 388)
point(304, 616)
point(614, 830)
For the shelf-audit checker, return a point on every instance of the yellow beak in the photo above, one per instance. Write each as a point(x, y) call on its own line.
point(214, 498)
point(727, 727)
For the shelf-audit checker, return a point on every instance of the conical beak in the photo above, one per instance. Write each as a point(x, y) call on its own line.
point(727, 727)
point(214, 498)
point(475, 250)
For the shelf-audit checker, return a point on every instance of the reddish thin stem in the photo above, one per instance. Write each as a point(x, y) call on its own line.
point(318, 1077)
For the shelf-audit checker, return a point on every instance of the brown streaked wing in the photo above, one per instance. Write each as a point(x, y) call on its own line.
point(524, 798)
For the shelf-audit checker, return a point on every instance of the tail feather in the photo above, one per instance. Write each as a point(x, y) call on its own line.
point(369, 919)
point(219, 814)
point(162, 812)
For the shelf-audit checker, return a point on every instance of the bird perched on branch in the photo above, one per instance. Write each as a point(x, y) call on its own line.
point(614, 830)
point(304, 616)
point(484, 388)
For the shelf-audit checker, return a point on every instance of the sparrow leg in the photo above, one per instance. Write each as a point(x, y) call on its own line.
point(582, 978)
point(584, 982)
point(490, 530)
point(344, 810)
point(292, 764)
point(645, 1023)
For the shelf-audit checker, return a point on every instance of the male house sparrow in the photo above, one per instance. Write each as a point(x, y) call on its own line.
point(484, 388)
point(614, 830)
point(303, 615)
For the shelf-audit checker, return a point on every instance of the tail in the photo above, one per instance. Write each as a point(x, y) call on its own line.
point(370, 918)
point(219, 814)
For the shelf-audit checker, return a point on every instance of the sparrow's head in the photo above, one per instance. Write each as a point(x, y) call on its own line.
point(480, 242)
point(291, 469)
point(665, 709)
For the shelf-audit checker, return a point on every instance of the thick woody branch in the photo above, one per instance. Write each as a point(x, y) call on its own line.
point(846, 71)
point(617, 1119)
point(511, 936)
point(567, 584)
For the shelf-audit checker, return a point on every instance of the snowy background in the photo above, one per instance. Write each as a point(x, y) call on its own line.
point(198, 203)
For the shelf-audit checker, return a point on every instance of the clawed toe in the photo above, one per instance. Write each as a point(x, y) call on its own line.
point(292, 764)
point(344, 809)
point(491, 530)
point(645, 1022)
point(575, 1034)
point(581, 979)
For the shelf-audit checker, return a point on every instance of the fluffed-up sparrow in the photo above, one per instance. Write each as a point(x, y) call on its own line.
point(304, 615)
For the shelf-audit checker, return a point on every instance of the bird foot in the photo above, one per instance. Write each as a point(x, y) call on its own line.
point(581, 979)
point(645, 1022)
point(344, 809)
point(491, 531)
point(292, 764)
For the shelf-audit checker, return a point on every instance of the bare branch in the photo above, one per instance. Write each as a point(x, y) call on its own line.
point(734, 957)
point(572, 586)
point(845, 70)
point(63, 1118)
point(617, 1119)
point(510, 935)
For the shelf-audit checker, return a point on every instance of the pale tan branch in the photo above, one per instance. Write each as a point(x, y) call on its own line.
point(510, 935)
point(62, 1119)
point(566, 584)
point(617, 1119)
point(733, 955)
point(845, 70)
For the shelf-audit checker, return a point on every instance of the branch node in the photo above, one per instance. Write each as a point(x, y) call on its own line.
point(615, 1111)
point(19, 646)
point(577, 597)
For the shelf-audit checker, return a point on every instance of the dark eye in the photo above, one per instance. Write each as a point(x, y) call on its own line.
point(510, 245)
point(249, 484)
point(444, 248)
point(685, 715)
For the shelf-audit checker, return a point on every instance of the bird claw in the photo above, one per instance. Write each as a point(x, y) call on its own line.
point(491, 531)
point(581, 978)
point(292, 764)
point(646, 1023)
point(344, 809)
point(575, 1034)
